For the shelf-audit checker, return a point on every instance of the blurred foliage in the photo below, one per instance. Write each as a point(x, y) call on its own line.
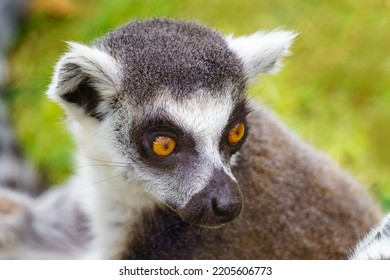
point(334, 92)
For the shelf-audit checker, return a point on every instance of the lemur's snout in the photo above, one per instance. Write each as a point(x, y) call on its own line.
point(225, 209)
point(218, 203)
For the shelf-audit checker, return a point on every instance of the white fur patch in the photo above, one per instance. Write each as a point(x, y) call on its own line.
point(81, 62)
point(261, 52)
point(376, 245)
point(112, 203)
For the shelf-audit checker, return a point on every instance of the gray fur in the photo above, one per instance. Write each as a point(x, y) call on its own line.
point(49, 227)
point(182, 57)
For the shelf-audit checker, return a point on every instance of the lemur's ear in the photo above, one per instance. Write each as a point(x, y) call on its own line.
point(261, 52)
point(85, 79)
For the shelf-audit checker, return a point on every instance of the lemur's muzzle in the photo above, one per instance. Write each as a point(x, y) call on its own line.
point(218, 203)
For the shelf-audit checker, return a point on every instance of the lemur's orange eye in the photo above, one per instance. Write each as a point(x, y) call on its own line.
point(163, 146)
point(236, 133)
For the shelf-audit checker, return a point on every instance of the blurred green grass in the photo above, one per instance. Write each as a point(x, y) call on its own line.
point(334, 91)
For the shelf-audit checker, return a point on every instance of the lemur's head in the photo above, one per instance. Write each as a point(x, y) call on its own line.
point(168, 99)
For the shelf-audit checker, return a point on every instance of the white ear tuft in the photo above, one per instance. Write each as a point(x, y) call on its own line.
point(261, 52)
point(83, 77)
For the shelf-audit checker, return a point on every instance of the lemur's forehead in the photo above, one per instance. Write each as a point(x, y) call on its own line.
point(183, 57)
point(202, 114)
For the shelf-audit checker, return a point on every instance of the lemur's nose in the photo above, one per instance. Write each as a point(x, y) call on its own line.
point(225, 196)
point(225, 209)
point(219, 202)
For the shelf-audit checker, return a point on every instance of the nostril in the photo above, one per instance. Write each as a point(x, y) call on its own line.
point(224, 210)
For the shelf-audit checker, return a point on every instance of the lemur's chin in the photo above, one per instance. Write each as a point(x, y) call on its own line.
point(206, 222)
point(210, 226)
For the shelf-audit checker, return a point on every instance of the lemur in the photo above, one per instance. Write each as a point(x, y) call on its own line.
point(176, 162)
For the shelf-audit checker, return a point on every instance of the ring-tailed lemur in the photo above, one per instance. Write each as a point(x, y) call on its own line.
point(178, 164)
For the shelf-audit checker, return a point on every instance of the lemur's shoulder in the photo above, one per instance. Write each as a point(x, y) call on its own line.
point(286, 180)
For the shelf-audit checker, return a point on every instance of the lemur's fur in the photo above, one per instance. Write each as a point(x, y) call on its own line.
point(270, 196)
point(376, 245)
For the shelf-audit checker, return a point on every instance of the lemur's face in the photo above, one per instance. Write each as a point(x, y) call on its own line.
point(181, 151)
point(167, 98)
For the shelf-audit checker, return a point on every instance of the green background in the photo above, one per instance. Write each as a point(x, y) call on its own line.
point(334, 90)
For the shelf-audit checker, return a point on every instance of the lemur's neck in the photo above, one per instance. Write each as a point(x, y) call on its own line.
point(114, 206)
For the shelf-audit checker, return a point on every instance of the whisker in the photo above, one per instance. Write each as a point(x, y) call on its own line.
point(107, 161)
point(100, 165)
point(104, 180)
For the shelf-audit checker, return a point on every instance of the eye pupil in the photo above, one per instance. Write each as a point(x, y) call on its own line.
point(163, 146)
point(236, 133)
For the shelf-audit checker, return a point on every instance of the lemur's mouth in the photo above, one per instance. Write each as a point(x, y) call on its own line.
point(208, 215)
